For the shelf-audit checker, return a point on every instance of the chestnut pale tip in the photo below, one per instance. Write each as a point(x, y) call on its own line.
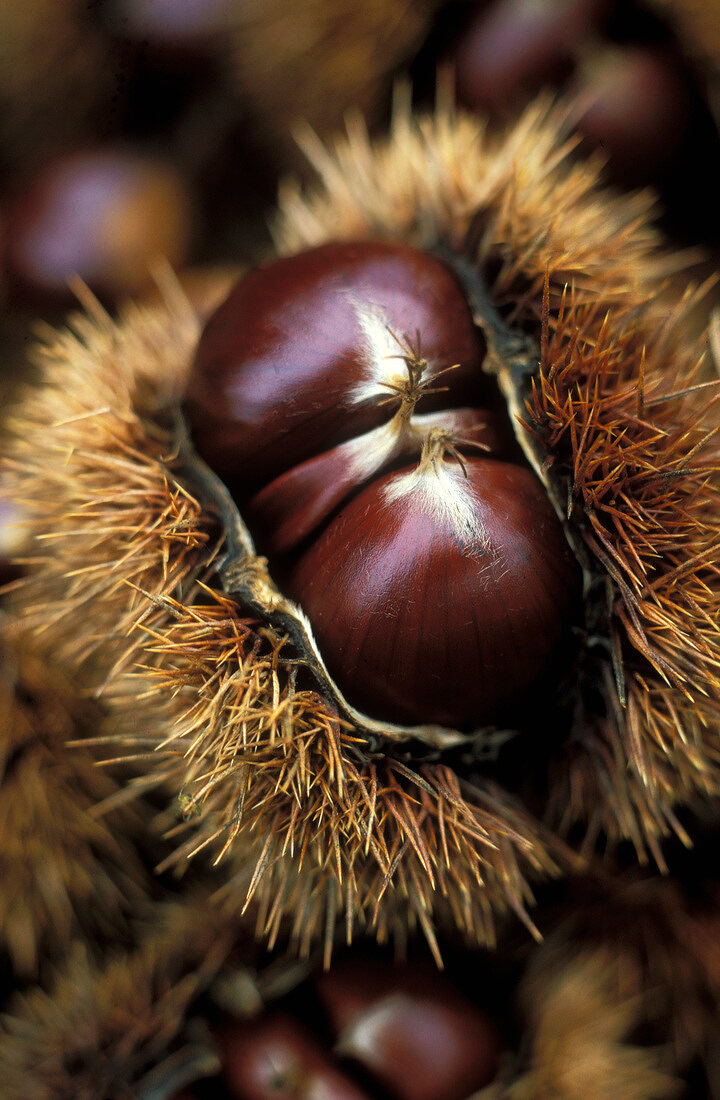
point(294, 505)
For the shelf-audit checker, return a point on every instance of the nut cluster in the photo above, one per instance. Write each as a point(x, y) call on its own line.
point(438, 582)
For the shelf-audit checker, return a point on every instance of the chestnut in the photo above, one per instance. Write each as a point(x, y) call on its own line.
point(304, 352)
point(411, 1027)
point(167, 22)
point(149, 585)
point(437, 592)
point(633, 104)
point(275, 1058)
point(511, 46)
point(293, 505)
point(102, 214)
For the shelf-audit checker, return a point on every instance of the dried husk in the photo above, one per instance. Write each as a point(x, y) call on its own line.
point(53, 76)
point(696, 23)
point(68, 868)
point(578, 1034)
point(659, 938)
point(622, 408)
point(318, 823)
point(603, 1008)
point(123, 1026)
point(315, 60)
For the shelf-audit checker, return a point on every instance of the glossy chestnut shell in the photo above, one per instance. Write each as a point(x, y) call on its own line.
point(444, 610)
point(291, 363)
point(342, 392)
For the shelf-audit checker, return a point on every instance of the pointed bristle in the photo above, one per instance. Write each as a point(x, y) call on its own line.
point(271, 776)
point(516, 197)
point(630, 418)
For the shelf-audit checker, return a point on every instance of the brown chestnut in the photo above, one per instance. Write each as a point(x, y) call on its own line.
point(304, 352)
point(411, 1028)
point(512, 46)
point(438, 592)
point(634, 104)
point(168, 22)
point(102, 214)
point(294, 505)
point(275, 1058)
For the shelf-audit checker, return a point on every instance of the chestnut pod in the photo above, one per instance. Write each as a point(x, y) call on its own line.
point(438, 594)
point(305, 353)
point(329, 814)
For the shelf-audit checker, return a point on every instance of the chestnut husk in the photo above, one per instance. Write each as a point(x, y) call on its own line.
point(71, 870)
point(183, 634)
point(125, 1021)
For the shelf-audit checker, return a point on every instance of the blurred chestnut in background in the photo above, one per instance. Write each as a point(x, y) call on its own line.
point(639, 141)
point(105, 215)
point(276, 1058)
point(632, 98)
point(637, 97)
point(363, 1029)
point(510, 47)
point(410, 1028)
point(169, 22)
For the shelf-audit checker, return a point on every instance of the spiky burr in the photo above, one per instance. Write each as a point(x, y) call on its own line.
point(317, 819)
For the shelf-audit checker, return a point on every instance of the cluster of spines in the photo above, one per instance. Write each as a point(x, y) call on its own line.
point(69, 871)
point(90, 471)
point(314, 827)
point(120, 561)
point(120, 1026)
point(579, 265)
point(633, 422)
point(578, 1025)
